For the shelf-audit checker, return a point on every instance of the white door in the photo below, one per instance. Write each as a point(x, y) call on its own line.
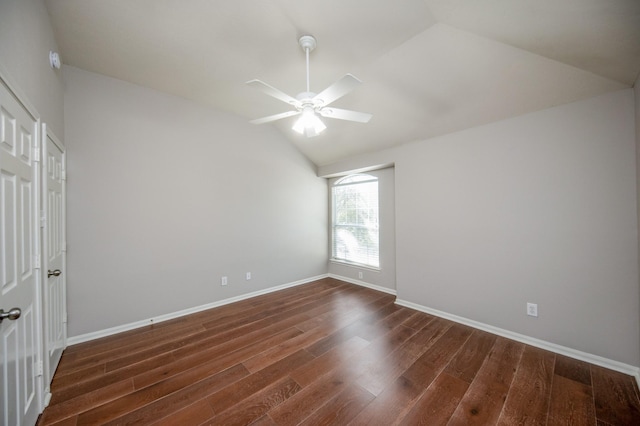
point(19, 337)
point(53, 206)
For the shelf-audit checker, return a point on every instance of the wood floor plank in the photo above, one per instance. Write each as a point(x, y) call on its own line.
point(436, 358)
point(223, 358)
point(385, 319)
point(235, 393)
point(340, 356)
point(483, 402)
point(295, 306)
point(61, 382)
point(573, 369)
point(193, 414)
point(82, 403)
point(376, 352)
point(342, 408)
point(70, 421)
point(241, 336)
point(340, 336)
point(616, 399)
point(115, 340)
point(383, 373)
point(418, 320)
point(528, 398)
point(266, 358)
point(258, 404)
point(571, 403)
point(438, 403)
point(328, 314)
point(308, 400)
point(101, 380)
point(317, 379)
point(135, 400)
point(392, 404)
point(328, 352)
point(135, 345)
point(471, 356)
point(163, 406)
point(264, 421)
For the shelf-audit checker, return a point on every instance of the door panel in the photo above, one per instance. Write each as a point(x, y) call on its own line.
point(19, 399)
point(54, 245)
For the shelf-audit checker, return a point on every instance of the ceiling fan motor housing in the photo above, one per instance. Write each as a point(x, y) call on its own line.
point(306, 98)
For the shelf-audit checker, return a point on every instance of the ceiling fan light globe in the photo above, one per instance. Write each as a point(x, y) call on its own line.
point(309, 124)
point(298, 126)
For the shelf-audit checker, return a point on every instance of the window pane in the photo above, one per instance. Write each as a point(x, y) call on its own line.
point(355, 220)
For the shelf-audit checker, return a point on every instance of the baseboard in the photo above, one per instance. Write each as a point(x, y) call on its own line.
point(143, 323)
point(562, 350)
point(363, 284)
point(47, 398)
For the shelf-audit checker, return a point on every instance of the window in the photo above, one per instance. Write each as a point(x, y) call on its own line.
point(355, 220)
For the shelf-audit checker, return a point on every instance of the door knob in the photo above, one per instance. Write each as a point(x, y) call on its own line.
point(12, 314)
point(55, 273)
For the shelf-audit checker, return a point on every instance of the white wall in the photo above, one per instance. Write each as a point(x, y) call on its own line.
point(540, 208)
point(166, 196)
point(26, 37)
point(385, 276)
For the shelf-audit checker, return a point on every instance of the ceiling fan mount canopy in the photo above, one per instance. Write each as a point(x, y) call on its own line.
point(309, 104)
point(307, 42)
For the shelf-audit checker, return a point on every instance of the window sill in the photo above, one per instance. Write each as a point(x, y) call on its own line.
point(354, 265)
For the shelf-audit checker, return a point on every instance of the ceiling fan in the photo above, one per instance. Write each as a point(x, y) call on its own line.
point(308, 104)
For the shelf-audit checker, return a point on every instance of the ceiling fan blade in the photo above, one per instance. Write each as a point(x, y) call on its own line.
point(274, 117)
point(345, 114)
point(272, 91)
point(338, 89)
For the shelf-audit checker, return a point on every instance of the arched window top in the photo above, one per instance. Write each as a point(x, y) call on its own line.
point(357, 178)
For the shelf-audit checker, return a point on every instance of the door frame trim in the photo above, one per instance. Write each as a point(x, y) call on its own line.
point(47, 133)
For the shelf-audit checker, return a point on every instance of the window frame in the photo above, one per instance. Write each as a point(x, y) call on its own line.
point(344, 181)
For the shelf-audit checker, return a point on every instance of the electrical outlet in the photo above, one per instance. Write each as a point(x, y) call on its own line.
point(223, 281)
point(360, 274)
point(248, 276)
point(532, 309)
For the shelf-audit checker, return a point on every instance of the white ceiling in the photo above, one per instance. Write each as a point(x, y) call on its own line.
point(429, 67)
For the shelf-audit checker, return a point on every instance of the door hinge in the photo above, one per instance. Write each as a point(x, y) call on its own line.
point(43, 219)
point(64, 174)
point(36, 262)
point(36, 153)
point(64, 318)
point(39, 369)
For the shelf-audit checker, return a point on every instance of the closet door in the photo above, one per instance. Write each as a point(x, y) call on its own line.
point(20, 327)
point(54, 250)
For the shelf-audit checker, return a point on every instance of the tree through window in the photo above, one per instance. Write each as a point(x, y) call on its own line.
point(355, 220)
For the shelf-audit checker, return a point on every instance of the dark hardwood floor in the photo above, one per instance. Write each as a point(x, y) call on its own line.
point(328, 352)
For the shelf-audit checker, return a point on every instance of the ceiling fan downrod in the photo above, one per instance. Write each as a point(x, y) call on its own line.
point(308, 43)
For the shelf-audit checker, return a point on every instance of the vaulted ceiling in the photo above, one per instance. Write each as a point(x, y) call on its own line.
point(429, 67)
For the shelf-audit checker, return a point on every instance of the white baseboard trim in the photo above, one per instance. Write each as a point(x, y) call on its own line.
point(143, 323)
point(47, 398)
point(363, 284)
point(562, 350)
